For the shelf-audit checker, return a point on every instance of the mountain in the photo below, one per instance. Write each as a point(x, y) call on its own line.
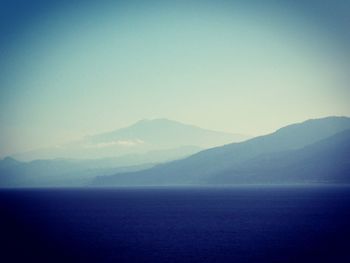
point(136, 147)
point(223, 164)
point(139, 138)
point(79, 172)
point(326, 161)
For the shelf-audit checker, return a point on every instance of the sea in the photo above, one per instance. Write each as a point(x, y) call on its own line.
point(298, 223)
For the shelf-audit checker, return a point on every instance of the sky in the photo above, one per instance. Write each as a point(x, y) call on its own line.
point(72, 68)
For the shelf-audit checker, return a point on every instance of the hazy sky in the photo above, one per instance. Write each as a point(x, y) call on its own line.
point(81, 67)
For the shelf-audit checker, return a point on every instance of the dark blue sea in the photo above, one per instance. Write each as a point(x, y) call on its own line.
point(237, 224)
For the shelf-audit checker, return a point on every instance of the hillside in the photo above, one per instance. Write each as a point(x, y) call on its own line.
point(221, 162)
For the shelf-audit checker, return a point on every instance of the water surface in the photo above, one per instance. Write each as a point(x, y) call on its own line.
point(237, 224)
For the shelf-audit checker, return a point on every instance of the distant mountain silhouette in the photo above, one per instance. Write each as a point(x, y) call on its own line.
point(326, 161)
point(139, 138)
point(167, 133)
point(271, 158)
point(315, 151)
point(79, 172)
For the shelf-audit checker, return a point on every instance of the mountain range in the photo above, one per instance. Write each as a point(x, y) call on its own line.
point(314, 151)
point(139, 138)
point(139, 146)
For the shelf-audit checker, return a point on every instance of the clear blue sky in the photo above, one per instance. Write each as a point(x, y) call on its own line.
point(71, 68)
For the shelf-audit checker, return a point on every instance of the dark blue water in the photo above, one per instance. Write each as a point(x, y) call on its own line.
point(247, 224)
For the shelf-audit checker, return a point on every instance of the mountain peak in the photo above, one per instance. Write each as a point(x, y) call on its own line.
point(157, 120)
point(142, 136)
